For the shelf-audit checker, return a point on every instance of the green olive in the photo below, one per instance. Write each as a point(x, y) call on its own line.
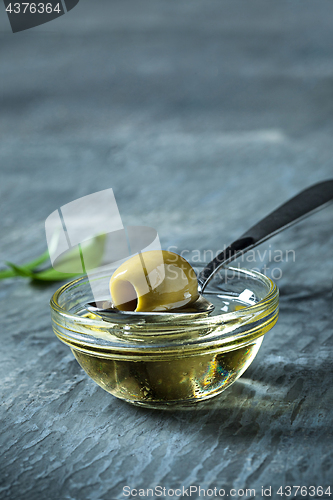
point(154, 281)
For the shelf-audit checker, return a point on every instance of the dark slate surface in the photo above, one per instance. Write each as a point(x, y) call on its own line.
point(203, 117)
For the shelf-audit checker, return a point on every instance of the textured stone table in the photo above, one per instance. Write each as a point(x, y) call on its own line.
point(203, 117)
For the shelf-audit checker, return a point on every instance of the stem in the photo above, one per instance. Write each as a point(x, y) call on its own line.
point(7, 274)
point(30, 266)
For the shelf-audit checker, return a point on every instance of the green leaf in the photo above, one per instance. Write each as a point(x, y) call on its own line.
point(53, 275)
point(8, 273)
point(47, 275)
point(91, 254)
point(86, 256)
point(20, 271)
point(30, 266)
point(23, 271)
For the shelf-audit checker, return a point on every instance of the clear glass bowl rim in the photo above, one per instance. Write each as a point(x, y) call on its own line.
point(228, 330)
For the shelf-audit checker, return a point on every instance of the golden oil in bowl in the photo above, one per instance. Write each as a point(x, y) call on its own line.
point(162, 365)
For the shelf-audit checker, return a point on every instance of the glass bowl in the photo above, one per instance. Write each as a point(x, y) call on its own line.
point(175, 362)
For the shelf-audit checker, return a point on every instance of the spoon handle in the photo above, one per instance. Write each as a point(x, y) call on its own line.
point(300, 206)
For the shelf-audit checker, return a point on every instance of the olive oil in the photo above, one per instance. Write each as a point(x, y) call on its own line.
point(163, 382)
point(185, 377)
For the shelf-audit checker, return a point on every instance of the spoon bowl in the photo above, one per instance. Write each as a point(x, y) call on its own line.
point(108, 312)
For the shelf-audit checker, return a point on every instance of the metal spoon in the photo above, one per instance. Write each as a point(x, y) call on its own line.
point(106, 310)
point(297, 208)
